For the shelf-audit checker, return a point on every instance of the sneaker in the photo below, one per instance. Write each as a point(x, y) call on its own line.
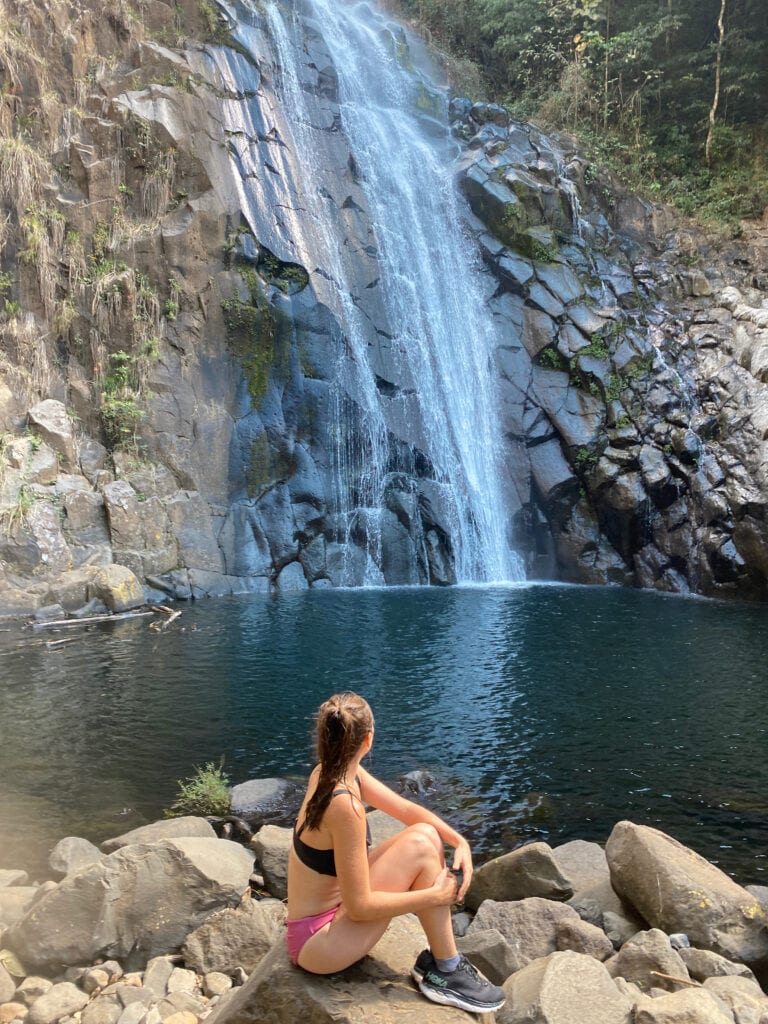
point(465, 987)
point(424, 961)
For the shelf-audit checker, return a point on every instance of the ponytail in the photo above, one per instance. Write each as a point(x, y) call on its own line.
point(343, 722)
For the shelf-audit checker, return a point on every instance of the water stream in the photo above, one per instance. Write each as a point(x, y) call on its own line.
point(439, 333)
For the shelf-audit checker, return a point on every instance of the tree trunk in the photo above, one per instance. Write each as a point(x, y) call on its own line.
point(716, 97)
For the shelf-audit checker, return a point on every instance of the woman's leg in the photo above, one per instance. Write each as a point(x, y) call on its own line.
point(409, 860)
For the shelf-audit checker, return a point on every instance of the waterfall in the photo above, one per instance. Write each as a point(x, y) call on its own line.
point(420, 393)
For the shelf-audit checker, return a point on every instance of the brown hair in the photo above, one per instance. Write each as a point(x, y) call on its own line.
point(343, 722)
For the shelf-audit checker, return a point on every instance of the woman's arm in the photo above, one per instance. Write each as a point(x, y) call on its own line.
point(346, 823)
point(385, 799)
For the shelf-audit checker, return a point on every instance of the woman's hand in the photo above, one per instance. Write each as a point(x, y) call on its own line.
point(462, 860)
point(444, 887)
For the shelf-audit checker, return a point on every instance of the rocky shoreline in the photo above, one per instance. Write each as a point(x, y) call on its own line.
point(171, 924)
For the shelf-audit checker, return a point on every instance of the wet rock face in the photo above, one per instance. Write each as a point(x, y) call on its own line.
point(634, 379)
point(194, 439)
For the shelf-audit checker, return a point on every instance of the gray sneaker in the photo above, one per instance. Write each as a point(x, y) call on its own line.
point(465, 987)
point(424, 961)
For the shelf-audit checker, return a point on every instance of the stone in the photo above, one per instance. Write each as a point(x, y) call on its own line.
point(181, 980)
point(619, 928)
point(760, 892)
point(118, 588)
point(182, 1017)
point(583, 864)
point(12, 876)
point(585, 938)
point(232, 938)
point(375, 988)
point(134, 904)
point(564, 988)
point(72, 853)
point(216, 984)
point(258, 795)
point(7, 985)
point(179, 1002)
point(382, 826)
point(133, 1013)
point(166, 828)
point(32, 987)
point(159, 970)
point(12, 1011)
point(743, 996)
point(49, 418)
point(529, 871)
point(703, 964)
point(490, 952)
point(688, 1006)
point(94, 980)
point(272, 844)
point(14, 902)
point(644, 957)
point(529, 925)
point(59, 1001)
point(677, 890)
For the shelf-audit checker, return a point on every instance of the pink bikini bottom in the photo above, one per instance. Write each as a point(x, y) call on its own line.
point(303, 928)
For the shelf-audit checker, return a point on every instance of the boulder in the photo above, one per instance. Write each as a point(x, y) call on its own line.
point(744, 996)
point(676, 890)
point(232, 938)
point(564, 988)
point(166, 828)
point(529, 871)
point(490, 952)
point(703, 964)
point(583, 864)
point(157, 974)
point(585, 938)
point(133, 904)
point(688, 1006)
point(383, 826)
point(529, 926)
point(31, 988)
point(49, 418)
point(374, 989)
point(72, 853)
point(646, 956)
point(272, 844)
point(259, 795)
point(118, 588)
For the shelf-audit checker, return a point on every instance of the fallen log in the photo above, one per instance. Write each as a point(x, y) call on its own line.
point(89, 619)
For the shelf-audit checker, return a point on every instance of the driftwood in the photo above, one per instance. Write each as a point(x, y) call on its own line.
point(679, 981)
point(89, 619)
point(160, 626)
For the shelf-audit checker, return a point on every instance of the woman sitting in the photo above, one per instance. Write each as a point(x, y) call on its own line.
point(342, 894)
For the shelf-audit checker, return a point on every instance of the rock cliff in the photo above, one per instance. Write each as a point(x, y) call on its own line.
point(179, 385)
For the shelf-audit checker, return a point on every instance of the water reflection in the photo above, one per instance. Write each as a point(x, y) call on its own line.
point(545, 712)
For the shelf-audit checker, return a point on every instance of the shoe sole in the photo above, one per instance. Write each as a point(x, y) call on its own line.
point(451, 999)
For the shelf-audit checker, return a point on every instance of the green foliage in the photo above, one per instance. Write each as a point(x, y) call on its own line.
point(552, 359)
point(204, 793)
point(636, 82)
point(120, 410)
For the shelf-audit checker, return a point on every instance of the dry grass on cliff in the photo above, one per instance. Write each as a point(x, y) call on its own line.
point(25, 357)
point(22, 173)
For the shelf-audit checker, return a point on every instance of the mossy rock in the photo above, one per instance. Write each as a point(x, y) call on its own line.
point(268, 466)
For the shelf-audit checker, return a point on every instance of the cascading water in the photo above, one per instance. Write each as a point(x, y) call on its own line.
point(440, 336)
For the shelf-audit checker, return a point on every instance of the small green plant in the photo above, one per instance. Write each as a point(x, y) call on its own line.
point(204, 793)
point(551, 359)
point(598, 347)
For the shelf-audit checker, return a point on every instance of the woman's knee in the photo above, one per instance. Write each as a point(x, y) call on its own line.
point(424, 840)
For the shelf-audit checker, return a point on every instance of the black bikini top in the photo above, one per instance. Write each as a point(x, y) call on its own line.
point(322, 861)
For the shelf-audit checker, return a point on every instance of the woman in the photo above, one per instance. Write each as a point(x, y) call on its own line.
point(342, 894)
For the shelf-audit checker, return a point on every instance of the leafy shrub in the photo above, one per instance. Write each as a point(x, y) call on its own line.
point(206, 792)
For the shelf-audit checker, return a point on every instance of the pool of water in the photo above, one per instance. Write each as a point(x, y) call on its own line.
point(541, 711)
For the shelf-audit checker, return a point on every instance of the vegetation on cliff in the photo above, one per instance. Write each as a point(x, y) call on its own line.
point(673, 95)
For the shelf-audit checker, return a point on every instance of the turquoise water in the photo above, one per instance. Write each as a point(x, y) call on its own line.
point(542, 712)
